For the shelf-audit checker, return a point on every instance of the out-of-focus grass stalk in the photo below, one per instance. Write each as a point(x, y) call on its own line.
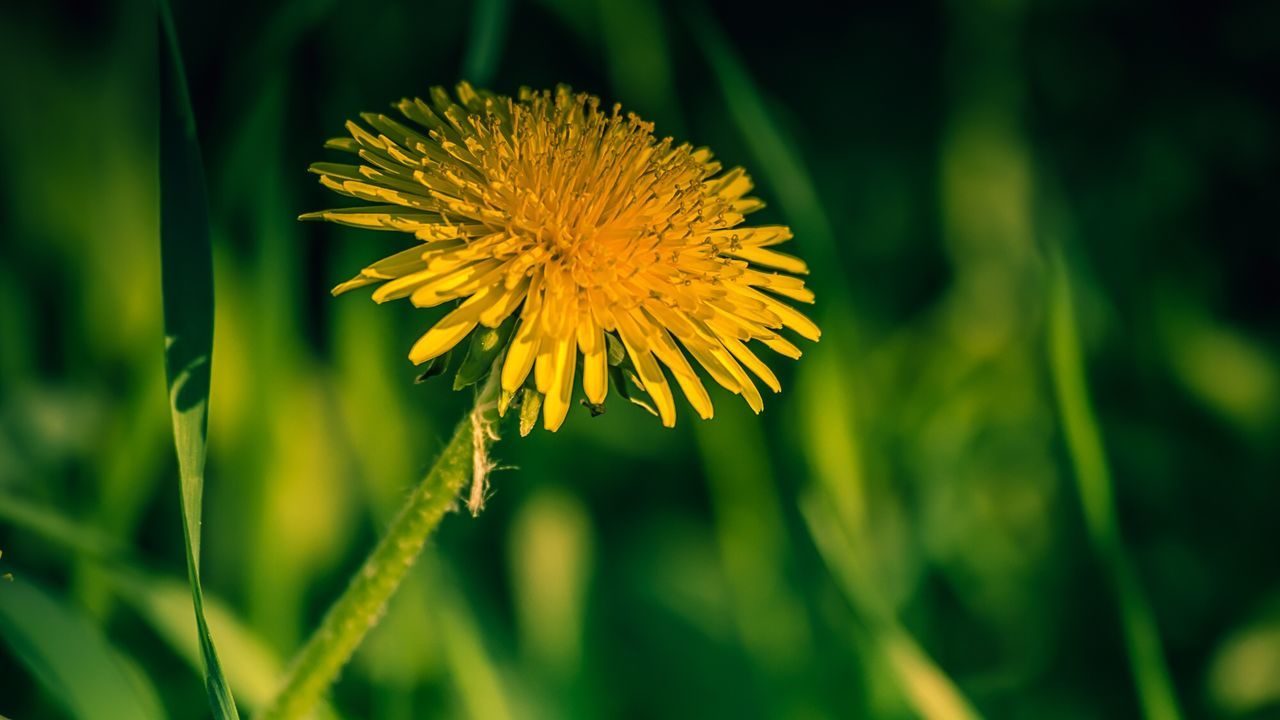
point(163, 602)
point(484, 44)
point(361, 605)
point(551, 548)
point(83, 539)
point(777, 155)
point(282, 549)
point(477, 678)
point(752, 535)
point(923, 684)
point(838, 457)
point(633, 39)
point(71, 657)
point(133, 448)
point(1093, 480)
point(750, 525)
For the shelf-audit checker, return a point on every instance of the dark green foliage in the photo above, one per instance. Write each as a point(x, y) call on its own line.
point(918, 509)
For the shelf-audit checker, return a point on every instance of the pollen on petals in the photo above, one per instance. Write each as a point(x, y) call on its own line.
point(587, 232)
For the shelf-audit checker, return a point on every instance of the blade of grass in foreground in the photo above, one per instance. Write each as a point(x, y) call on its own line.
point(1093, 479)
point(186, 262)
point(71, 658)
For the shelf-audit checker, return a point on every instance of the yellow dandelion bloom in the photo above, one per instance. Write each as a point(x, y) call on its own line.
point(593, 247)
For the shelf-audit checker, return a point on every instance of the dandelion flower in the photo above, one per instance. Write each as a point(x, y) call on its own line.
point(574, 244)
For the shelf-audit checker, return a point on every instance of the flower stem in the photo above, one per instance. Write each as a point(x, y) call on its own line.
point(361, 606)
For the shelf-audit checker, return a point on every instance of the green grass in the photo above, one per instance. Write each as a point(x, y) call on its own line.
point(72, 659)
point(1094, 483)
point(187, 271)
point(998, 486)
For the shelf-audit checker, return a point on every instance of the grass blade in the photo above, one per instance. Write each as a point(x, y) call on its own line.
point(71, 658)
point(636, 52)
point(186, 262)
point(81, 538)
point(252, 666)
point(923, 684)
point(775, 153)
point(163, 602)
point(840, 478)
point(755, 551)
point(778, 158)
point(1093, 479)
point(484, 45)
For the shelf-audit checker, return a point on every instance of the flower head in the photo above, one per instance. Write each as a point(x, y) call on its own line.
point(577, 243)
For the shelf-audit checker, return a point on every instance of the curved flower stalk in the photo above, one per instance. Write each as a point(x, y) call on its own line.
point(568, 243)
point(362, 604)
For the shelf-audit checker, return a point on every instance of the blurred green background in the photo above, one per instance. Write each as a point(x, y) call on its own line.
point(934, 519)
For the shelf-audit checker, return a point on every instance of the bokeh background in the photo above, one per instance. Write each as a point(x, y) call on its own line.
point(934, 519)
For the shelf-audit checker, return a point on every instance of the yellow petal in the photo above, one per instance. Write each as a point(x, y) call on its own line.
point(762, 236)
point(655, 383)
point(771, 258)
point(782, 346)
point(376, 217)
point(595, 360)
point(441, 338)
point(690, 384)
point(556, 405)
point(702, 351)
point(441, 288)
point(453, 327)
point(404, 262)
point(358, 281)
point(739, 383)
point(524, 345)
point(544, 365)
point(753, 363)
point(733, 184)
point(748, 391)
point(506, 304)
point(791, 317)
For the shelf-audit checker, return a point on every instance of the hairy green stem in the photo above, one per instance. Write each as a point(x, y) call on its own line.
point(463, 460)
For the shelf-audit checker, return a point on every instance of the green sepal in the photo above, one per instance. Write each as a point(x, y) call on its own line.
point(530, 404)
point(483, 349)
point(614, 349)
point(627, 384)
point(435, 366)
point(504, 402)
